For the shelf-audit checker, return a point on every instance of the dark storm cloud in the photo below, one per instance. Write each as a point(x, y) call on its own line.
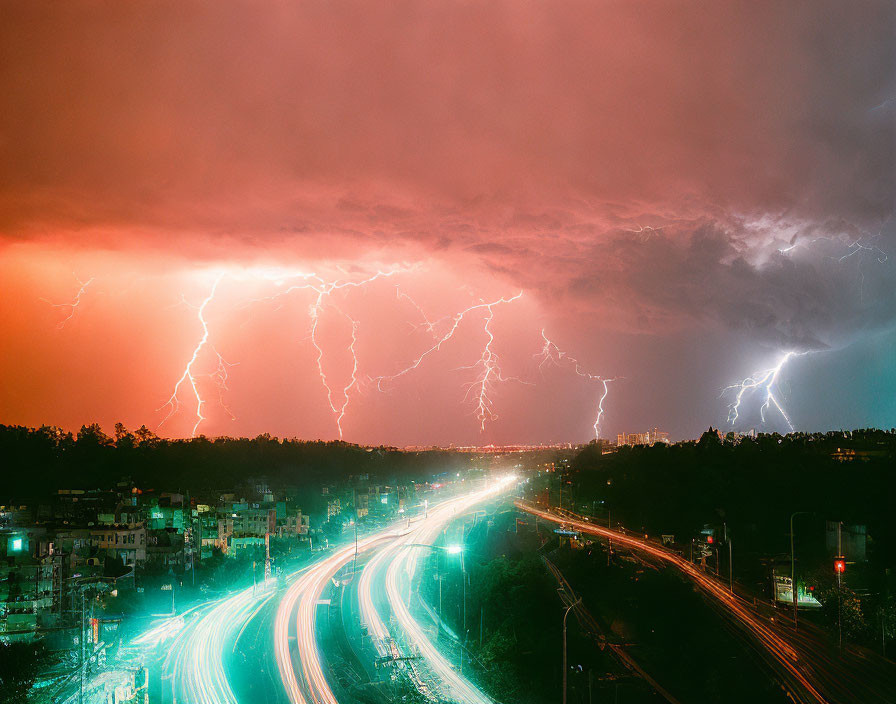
point(199, 115)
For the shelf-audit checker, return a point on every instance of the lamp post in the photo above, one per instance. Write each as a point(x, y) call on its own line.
point(730, 560)
point(792, 572)
point(565, 614)
point(451, 550)
point(455, 550)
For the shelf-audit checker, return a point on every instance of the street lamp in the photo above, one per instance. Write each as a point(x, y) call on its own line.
point(451, 550)
point(565, 614)
point(459, 550)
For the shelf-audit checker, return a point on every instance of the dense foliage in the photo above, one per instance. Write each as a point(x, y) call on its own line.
point(40, 461)
point(753, 485)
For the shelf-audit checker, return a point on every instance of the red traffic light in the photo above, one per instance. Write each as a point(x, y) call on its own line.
point(839, 565)
point(709, 539)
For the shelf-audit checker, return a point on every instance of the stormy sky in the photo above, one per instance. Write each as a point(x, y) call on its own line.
point(683, 192)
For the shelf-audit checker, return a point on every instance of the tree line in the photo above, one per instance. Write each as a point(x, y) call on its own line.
point(40, 461)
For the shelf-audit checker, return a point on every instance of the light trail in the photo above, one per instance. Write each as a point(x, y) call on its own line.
point(305, 593)
point(73, 305)
point(550, 353)
point(459, 687)
point(404, 554)
point(303, 598)
point(782, 651)
point(763, 382)
point(381, 637)
point(195, 658)
point(197, 661)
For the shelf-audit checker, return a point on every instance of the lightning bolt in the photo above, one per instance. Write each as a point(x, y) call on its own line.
point(220, 377)
point(338, 410)
point(189, 377)
point(488, 361)
point(490, 370)
point(859, 246)
point(551, 354)
point(645, 232)
point(205, 364)
point(338, 400)
point(865, 247)
point(762, 382)
point(600, 407)
point(427, 323)
point(73, 305)
point(865, 243)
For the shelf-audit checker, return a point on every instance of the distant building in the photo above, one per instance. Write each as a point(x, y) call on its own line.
point(648, 438)
point(293, 524)
point(850, 454)
point(126, 542)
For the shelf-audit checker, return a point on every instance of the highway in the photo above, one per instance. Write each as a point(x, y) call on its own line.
point(437, 678)
point(400, 573)
point(300, 663)
point(806, 671)
point(192, 649)
point(196, 658)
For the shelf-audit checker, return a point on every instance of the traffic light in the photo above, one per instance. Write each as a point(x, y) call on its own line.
point(709, 539)
point(839, 565)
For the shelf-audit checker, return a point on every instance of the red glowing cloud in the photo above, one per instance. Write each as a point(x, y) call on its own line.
point(656, 180)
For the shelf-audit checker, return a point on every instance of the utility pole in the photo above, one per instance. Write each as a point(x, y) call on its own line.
point(730, 556)
point(267, 558)
point(81, 668)
point(793, 573)
point(609, 540)
point(839, 600)
point(730, 568)
point(464, 575)
point(565, 614)
point(883, 630)
point(193, 522)
point(590, 683)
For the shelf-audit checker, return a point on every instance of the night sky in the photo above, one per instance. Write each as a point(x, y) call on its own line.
point(682, 192)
